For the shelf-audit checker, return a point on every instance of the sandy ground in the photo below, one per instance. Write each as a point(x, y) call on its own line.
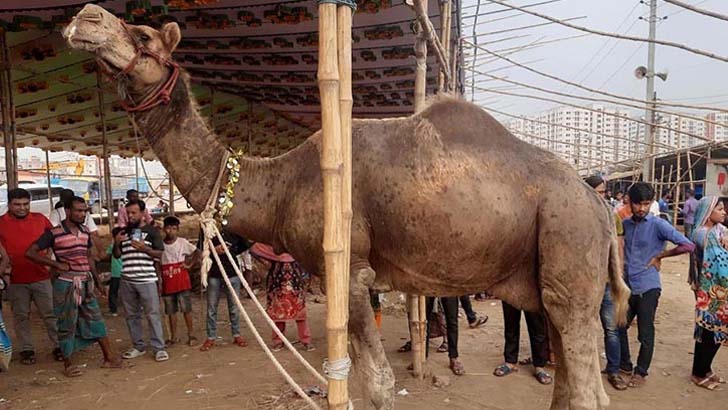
point(229, 377)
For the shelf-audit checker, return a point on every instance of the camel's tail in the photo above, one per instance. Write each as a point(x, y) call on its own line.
point(619, 290)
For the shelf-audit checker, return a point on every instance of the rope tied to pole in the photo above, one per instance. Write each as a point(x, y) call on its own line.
point(337, 369)
point(350, 3)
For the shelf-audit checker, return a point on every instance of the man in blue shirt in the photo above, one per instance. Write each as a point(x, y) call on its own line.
point(644, 248)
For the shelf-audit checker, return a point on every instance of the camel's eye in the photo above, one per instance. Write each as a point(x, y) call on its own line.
point(144, 38)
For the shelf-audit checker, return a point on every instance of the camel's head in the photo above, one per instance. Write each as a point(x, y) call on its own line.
point(116, 45)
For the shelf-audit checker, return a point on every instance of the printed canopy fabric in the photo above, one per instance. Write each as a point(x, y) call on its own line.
point(247, 50)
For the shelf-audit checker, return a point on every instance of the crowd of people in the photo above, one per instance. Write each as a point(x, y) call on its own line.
point(52, 264)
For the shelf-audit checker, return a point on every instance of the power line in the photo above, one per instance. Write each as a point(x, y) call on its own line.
point(508, 30)
point(619, 36)
point(487, 13)
point(535, 44)
point(576, 128)
point(593, 99)
point(547, 99)
point(694, 9)
point(594, 90)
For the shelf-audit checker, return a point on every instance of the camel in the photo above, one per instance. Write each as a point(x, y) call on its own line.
point(445, 202)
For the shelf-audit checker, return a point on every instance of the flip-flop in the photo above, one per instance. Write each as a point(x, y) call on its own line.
point(457, 367)
point(543, 377)
point(239, 341)
point(480, 321)
point(714, 377)
point(191, 340)
point(504, 370)
point(57, 354)
point(27, 357)
point(209, 344)
point(706, 383)
point(637, 381)
point(407, 347)
point(72, 371)
point(442, 348)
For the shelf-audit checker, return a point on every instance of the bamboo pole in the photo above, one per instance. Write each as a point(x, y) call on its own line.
point(249, 124)
point(445, 34)
point(662, 178)
point(170, 180)
point(332, 159)
point(48, 180)
point(346, 103)
point(429, 31)
point(690, 172)
point(8, 114)
point(676, 200)
point(418, 314)
point(105, 152)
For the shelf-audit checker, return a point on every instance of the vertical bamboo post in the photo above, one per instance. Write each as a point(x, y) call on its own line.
point(136, 171)
point(445, 34)
point(662, 179)
point(676, 200)
point(690, 171)
point(8, 115)
point(418, 314)
point(170, 180)
point(105, 147)
point(248, 125)
point(332, 169)
point(666, 186)
point(48, 180)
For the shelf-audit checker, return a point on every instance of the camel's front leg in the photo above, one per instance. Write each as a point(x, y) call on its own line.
point(368, 352)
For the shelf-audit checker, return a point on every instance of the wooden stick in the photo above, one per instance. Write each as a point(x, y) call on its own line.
point(105, 152)
point(332, 158)
point(445, 34)
point(676, 200)
point(429, 30)
point(48, 181)
point(418, 318)
point(662, 177)
point(690, 171)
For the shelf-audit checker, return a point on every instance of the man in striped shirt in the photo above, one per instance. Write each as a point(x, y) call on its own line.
point(74, 303)
point(139, 246)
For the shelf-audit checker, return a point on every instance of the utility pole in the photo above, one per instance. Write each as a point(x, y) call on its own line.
point(647, 171)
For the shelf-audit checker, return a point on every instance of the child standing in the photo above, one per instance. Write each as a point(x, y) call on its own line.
point(178, 256)
point(115, 275)
point(286, 294)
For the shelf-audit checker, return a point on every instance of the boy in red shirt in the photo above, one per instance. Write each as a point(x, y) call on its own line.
point(179, 254)
point(19, 228)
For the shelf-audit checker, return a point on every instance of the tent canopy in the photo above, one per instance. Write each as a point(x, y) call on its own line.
point(251, 52)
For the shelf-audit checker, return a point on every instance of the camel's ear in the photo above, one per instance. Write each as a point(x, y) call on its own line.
point(171, 36)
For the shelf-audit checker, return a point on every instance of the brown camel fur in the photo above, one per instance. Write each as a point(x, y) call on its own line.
point(446, 202)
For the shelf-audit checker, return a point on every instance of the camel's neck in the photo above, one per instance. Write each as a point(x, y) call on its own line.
point(192, 154)
point(184, 144)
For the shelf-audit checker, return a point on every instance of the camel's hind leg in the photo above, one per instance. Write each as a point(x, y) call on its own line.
point(369, 357)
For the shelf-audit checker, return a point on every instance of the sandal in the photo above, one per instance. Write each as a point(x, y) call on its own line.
point(480, 321)
point(617, 382)
point(191, 340)
point(239, 341)
point(73, 371)
point(27, 357)
point(161, 356)
point(57, 354)
point(706, 383)
point(543, 377)
point(170, 342)
point(442, 348)
point(209, 344)
point(504, 370)
point(308, 347)
point(457, 367)
point(407, 347)
point(637, 380)
point(277, 347)
point(714, 377)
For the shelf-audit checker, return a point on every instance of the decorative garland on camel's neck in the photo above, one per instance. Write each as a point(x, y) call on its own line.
point(225, 198)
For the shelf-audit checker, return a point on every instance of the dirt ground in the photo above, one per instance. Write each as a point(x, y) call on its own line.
point(229, 377)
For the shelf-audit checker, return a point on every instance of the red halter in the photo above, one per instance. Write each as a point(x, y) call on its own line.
point(162, 94)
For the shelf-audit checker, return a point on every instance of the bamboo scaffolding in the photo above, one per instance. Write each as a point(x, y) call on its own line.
point(445, 34)
point(332, 169)
point(48, 181)
point(662, 178)
point(8, 116)
point(690, 171)
point(677, 191)
point(429, 31)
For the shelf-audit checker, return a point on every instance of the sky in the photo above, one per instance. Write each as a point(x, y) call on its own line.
point(606, 63)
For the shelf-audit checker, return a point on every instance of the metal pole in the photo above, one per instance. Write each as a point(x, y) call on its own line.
point(647, 170)
point(105, 147)
point(48, 180)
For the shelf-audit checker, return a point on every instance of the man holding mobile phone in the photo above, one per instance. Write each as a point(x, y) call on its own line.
point(139, 246)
